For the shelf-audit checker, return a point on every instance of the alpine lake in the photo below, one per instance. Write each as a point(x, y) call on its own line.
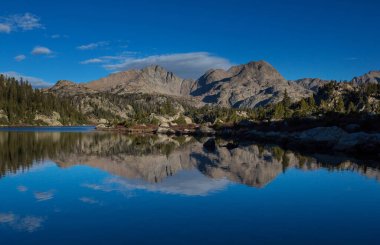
point(75, 185)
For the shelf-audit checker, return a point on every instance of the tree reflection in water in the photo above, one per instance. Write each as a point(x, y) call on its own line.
point(154, 158)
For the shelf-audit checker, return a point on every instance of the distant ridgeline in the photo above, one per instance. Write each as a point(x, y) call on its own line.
point(20, 104)
point(154, 96)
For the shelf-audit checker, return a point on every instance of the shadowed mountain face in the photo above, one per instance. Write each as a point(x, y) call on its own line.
point(158, 162)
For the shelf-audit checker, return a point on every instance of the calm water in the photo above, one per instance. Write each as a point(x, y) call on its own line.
point(75, 186)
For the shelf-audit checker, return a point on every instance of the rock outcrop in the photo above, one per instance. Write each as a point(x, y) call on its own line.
point(313, 84)
point(51, 120)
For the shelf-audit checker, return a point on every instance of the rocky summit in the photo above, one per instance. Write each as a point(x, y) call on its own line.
point(250, 85)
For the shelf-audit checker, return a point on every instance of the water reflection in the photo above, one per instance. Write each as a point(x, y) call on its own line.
point(176, 165)
point(21, 223)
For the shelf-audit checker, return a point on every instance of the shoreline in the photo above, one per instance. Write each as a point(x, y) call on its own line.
point(47, 126)
point(319, 139)
point(315, 139)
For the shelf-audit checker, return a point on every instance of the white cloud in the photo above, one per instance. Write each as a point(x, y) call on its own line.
point(27, 223)
point(6, 217)
point(20, 57)
point(27, 21)
point(186, 65)
point(187, 182)
point(92, 61)
point(58, 36)
point(22, 188)
point(5, 28)
point(89, 200)
point(39, 50)
point(44, 196)
point(34, 81)
point(91, 46)
point(23, 22)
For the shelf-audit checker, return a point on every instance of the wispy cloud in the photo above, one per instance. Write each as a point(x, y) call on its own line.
point(190, 183)
point(22, 188)
point(20, 57)
point(110, 58)
point(44, 196)
point(5, 28)
point(27, 223)
point(40, 50)
point(89, 200)
point(92, 46)
point(34, 81)
point(58, 36)
point(92, 61)
point(19, 22)
point(186, 65)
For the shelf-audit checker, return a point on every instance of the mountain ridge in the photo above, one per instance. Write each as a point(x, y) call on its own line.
point(256, 83)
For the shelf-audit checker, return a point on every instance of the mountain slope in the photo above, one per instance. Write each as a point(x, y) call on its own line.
point(250, 85)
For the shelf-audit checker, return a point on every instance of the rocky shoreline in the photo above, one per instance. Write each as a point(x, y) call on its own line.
point(318, 139)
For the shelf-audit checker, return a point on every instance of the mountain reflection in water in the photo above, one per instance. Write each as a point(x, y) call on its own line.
point(178, 165)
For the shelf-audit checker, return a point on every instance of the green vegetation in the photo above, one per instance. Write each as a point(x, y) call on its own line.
point(20, 103)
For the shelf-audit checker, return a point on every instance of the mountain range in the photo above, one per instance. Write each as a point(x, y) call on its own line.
point(244, 86)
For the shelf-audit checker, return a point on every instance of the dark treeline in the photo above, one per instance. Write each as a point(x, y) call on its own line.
point(21, 150)
point(20, 103)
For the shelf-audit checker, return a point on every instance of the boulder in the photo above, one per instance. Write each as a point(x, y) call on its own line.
point(164, 125)
point(51, 120)
point(188, 120)
point(206, 130)
point(165, 130)
point(103, 121)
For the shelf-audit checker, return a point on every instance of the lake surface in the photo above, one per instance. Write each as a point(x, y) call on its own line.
point(77, 186)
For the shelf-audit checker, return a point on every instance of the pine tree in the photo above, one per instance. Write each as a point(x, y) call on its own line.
point(351, 107)
point(339, 107)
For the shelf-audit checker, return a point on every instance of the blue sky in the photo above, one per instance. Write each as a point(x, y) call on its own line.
point(84, 40)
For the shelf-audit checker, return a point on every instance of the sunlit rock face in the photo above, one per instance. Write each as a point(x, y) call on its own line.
point(158, 162)
point(247, 86)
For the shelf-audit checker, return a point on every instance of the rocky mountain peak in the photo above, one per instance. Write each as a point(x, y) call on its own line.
point(249, 85)
point(259, 70)
point(158, 72)
point(154, 69)
point(68, 88)
point(370, 77)
point(64, 83)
